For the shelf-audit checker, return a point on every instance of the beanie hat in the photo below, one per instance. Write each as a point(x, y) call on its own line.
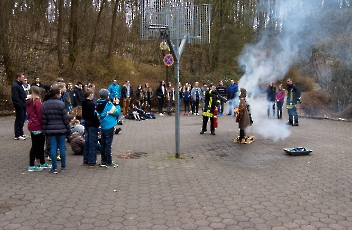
point(243, 92)
point(104, 93)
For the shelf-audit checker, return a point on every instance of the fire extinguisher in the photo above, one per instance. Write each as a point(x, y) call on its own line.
point(216, 117)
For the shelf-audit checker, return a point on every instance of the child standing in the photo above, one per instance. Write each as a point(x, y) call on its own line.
point(34, 111)
point(108, 114)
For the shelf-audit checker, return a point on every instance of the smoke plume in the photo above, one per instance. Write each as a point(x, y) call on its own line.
point(291, 28)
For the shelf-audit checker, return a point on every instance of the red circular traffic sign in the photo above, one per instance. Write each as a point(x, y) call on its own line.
point(168, 60)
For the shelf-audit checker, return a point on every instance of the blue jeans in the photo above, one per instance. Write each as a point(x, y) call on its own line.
point(90, 145)
point(58, 141)
point(106, 141)
point(232, 105)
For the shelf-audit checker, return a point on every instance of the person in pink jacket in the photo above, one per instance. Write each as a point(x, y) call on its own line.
point(34, 111)
point(280, 97)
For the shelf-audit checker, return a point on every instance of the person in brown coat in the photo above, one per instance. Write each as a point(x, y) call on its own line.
point(243, 118)
point(77, 143)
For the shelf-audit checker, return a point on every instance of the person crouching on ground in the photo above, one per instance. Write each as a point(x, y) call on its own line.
point(107, 113)
point(242, 116)
point(211, 99)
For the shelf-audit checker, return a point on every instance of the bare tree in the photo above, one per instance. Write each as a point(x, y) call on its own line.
point(60, 29)
point(73, 35)
point(112, 32)
point(92, 47)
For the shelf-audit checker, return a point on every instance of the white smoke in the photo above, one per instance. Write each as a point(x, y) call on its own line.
point(270, 59)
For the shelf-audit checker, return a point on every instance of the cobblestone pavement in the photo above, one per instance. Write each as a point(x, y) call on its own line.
point(216, 185)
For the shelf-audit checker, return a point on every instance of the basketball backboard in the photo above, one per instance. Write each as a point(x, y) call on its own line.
point(177, 19)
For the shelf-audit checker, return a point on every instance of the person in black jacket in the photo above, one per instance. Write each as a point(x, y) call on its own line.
point(56, 126)
point(91, 125)
point(293, 98)
point(221, 89)
point(161, 93)
point(19, 102)
point(270, 96)
point(77, 95)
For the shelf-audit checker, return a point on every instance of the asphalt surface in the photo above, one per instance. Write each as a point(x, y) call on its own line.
point(216, 185)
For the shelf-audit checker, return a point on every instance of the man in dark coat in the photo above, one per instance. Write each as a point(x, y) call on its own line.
point(19, 102)
point(221, 89)
point(293, 97)
point(77, 95)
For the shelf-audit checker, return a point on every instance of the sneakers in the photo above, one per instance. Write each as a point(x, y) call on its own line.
point(53, 171)
point(112, 165)
point(118, 130)
point(202, 132)
point(48, 158)
point(63, 170)
point(34, 169)
point(45, 166)
point(161, 114)
point(58, 158)
point(103, 164)
point(21, 138)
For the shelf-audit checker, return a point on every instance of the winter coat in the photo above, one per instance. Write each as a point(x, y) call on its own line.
point(107, 113)
point(34, 113)
point(159, 92)
point(242, 115)
point(115, 91)
point(232, 91)
point(18, 95)
point(77, 142)
point(55, 118)
point(77, 96)
point(280, 95)
point(271, 93)
point(293, 96)
point(186, 95)
point(194, 93)
point(124, 92)
point(89, 115)
point(211, 99)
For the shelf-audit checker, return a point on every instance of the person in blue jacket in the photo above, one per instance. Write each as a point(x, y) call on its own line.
point(114, 90)
point(108, 114)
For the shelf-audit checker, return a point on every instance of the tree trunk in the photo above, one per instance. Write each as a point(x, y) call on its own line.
point(92, 47)
point(112, 32)
point(5, 15)
point(73, 35)
point(60, 29)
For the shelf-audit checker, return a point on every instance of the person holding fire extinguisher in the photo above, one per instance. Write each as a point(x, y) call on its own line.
point(211, 100)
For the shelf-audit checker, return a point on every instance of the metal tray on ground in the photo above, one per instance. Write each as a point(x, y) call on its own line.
point(299, 151)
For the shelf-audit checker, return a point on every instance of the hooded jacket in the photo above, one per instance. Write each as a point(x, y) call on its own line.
point(107, 113)
point(34, 113)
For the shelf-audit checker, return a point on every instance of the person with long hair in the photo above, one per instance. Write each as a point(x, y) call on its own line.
point(34, 111)
point(56, 126)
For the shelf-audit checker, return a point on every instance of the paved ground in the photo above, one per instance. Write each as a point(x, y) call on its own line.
point(216, 185)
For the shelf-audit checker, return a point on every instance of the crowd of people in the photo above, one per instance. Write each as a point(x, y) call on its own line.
point(276, 100)
point(61, 112)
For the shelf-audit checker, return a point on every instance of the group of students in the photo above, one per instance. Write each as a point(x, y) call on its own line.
point(48, 122)
point(278, 97)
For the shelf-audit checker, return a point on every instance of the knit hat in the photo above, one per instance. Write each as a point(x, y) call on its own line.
point(243, 92)
point(104, 93)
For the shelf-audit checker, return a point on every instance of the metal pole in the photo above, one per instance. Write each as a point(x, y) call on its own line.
point(177, 109)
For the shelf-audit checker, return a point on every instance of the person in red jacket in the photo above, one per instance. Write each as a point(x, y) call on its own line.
point(34, 111)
